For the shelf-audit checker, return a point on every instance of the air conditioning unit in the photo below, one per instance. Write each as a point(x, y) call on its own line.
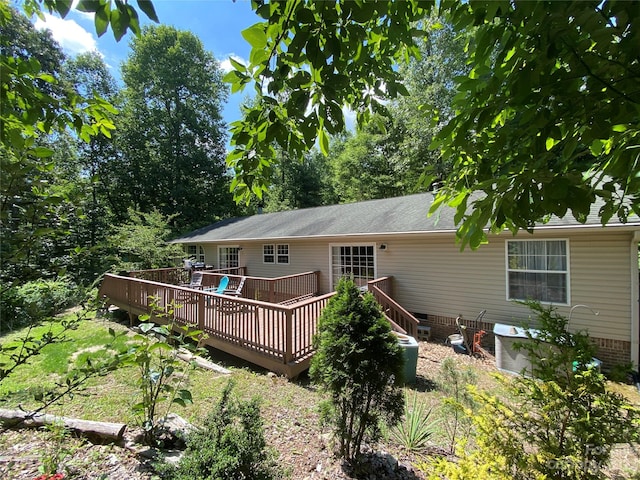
point(508, 358)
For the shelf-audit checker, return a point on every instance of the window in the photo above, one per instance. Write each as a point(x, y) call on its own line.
point(275, 254)
point(228, 257)
point(283, 254)
point(538, 270)
point(355, 261)
point(268, 254)
point(196, 252)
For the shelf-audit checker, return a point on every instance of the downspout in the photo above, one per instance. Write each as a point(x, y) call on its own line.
point(635, 301)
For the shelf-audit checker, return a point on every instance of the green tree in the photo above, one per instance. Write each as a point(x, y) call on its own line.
point(142, 242)
point(364, 170)
point(30, 192)
point(90, 76)
point(35, 105)
point(299, 184)
point(546, 121)
point(359, 363)
point(172, 161)
point(430, 82)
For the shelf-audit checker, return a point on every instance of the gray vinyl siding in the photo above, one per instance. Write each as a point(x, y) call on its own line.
point(432, 276)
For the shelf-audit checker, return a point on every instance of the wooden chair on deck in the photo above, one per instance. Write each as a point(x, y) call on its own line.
point(222, 286)
point(182, 297)
point(196, 280)
point(231, 306)
point(236, 292)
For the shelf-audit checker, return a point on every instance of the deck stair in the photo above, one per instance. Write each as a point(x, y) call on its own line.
point(401, 320)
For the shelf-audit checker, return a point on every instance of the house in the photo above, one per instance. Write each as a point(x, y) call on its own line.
point(563, 263)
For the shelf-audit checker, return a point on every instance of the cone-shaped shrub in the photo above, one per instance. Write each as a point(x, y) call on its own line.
point(359, 363)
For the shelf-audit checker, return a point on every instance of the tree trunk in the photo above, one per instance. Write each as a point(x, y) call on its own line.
point(102, 431)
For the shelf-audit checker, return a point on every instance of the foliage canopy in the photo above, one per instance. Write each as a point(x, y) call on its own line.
point(547, 121)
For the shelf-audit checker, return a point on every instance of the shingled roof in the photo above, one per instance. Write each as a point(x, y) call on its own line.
point(385, 216)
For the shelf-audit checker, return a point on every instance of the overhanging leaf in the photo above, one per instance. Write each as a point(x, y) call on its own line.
point(255, 36)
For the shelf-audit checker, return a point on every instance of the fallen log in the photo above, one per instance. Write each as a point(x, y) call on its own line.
point(101, 431)
point(188, 357)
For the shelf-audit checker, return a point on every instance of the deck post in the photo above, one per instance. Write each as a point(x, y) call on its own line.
point(129, 283)
point(201, 312)
point(288, 332)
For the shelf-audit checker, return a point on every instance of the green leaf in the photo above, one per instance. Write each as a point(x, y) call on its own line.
point(304, 15)
point(101, 19)
point(63, 7)
point(119, 23)
point(596, 147)
point(146, 327)
point(147, 7)
point(550, 142)
point(185, 395)
point(255, 36)
point(42, 152)
point(160, 346)
point(88, 6)
point(237, 65)
point(323, 139)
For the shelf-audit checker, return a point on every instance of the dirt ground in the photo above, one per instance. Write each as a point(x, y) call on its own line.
point(303, 451)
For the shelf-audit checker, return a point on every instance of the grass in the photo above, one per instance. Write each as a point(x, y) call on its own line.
point(288, 407)
point(89, 340)
point(110, 397)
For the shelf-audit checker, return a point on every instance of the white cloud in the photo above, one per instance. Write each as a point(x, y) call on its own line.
point(225, 65)
point(71, 36)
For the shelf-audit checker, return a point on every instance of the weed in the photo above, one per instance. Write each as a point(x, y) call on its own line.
point(57, 449)
point(154, 353)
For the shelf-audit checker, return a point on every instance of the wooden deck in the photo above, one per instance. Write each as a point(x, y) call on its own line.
point(274, 336)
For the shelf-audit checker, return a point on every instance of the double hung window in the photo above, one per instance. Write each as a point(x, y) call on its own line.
point(538, 270)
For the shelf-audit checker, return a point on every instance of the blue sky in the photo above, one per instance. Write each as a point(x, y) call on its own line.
point(217, 23)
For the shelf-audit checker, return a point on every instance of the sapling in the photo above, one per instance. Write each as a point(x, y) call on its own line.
point(154, 353)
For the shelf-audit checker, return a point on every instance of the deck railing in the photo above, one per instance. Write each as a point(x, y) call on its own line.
point(179, 275)
point(381, 290)
point(272, 290)
point(269, 328)
point(278, 337)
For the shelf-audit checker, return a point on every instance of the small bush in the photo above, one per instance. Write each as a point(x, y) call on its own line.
point(44, 298)
point(229, 446)
point(562, 424)
point(34, 301)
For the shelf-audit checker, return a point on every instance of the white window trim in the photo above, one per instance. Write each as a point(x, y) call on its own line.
point(273, 254)
point(278, 262)
point(200, 255)
point(332, 287)
point(567, 271)
point(220, 247)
